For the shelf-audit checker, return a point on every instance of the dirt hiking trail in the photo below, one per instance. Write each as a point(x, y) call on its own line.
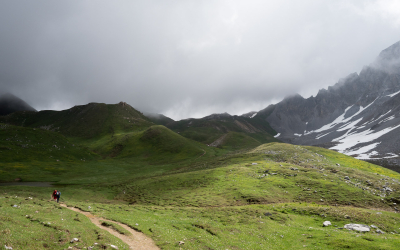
point(135, 241)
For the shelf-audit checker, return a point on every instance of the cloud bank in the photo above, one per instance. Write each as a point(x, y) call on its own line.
point(186, 58)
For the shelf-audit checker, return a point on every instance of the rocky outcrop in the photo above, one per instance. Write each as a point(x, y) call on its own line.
point(358, 116)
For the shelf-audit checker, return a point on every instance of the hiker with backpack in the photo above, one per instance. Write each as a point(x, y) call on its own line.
point(56, 195)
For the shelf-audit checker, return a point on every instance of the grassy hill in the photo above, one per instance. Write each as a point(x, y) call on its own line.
point(209, 129)
point(156, 143)
point(240, 194)
point(85, 121)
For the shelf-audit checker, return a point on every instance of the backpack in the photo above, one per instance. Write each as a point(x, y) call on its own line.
point(58, 193)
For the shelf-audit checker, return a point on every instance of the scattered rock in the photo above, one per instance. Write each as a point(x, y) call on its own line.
point(347, 217)
point(267, 214)
point(378, 212)
point(9, 248)
point(337, 164)
point(74, 240)
point(254, 163)
point(387, 189)
point(326, 223)
point(114, 247)
point(293, 168)
point(181, 243)
point(357, 227)
point(373, 226)
point(378, 231)
point(347, 178)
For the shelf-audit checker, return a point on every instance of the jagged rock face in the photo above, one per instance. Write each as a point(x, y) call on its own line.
point(358, 116)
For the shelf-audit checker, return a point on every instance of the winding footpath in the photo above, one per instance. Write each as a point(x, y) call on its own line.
point(135, 241)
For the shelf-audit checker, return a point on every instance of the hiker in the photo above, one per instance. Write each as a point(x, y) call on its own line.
point(58, 194)
point(54, 195)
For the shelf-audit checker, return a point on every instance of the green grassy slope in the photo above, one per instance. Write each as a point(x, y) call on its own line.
point(282, 173)
point(209, 129)
point(242, 195)
point(87, 121)
point(159, 119)
point(157, 143)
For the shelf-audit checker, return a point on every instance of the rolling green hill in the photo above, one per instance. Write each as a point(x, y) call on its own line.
point(155, 143)
point(240, 193)
point(213, 129)
point(86, 121)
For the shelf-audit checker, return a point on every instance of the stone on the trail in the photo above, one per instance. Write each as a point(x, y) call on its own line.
point(181, 243)
point(114, 247)
point(347, 178)
point(357, 227)
point(74, 240)
point(327, 223)
point(378, 231)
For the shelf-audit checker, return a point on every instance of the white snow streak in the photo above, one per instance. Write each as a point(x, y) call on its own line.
point(253, 115)
point(350, 140)
point(391, 95)
point(277, 135)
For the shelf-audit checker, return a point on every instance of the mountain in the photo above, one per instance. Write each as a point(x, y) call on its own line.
point(84, 121)
point(158, 119)
point(358, 116)
point(9, 103)
point(226, 131)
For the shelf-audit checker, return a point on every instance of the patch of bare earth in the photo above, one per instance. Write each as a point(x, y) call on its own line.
point(135, 241)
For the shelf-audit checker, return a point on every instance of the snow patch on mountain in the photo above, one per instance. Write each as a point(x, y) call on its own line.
point(391, 95)
point(350, 140)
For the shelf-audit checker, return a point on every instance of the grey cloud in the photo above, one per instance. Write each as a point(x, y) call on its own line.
point(185, 58)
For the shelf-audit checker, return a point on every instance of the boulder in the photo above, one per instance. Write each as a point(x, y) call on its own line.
point(327, 223)
point(357, 227)
point(74, 240)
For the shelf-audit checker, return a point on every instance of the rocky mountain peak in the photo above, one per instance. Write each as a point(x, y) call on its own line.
point(389, 59)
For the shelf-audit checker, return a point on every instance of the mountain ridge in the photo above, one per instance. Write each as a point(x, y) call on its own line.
point(357, 106)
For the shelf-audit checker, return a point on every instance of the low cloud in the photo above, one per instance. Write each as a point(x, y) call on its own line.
point(186, 58)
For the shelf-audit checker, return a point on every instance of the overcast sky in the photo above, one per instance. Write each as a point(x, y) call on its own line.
point(185, 58)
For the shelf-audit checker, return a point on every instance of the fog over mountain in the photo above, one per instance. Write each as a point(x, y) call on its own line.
point(358, 116)
point(186, 58)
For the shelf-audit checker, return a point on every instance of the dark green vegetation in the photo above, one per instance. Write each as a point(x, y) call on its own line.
point(240, 196)
point(226, 131)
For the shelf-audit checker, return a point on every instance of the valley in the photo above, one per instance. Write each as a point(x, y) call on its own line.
point(182, 193)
